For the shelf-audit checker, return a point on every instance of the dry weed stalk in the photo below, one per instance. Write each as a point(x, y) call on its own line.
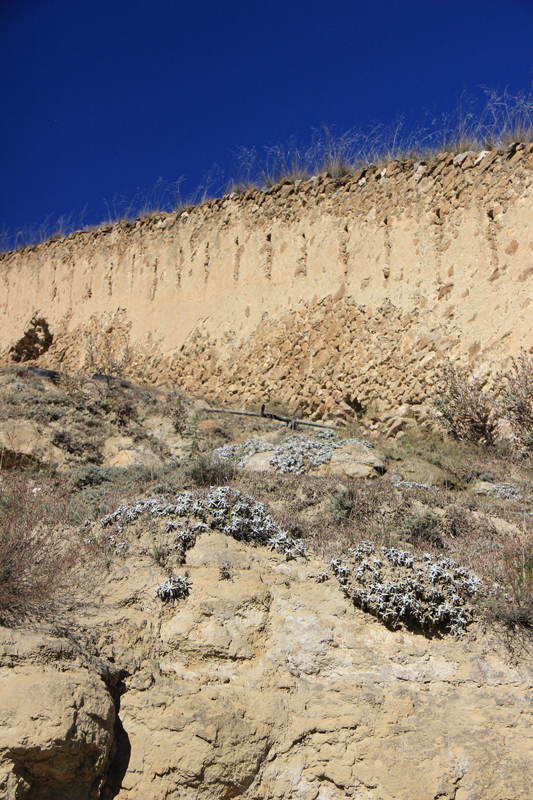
point(108, 356)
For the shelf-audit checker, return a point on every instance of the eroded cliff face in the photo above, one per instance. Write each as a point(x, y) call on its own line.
point(349, 289)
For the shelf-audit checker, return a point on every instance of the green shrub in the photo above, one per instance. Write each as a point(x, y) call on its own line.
point(422, 529)
point(356, 502)
point(93, 475)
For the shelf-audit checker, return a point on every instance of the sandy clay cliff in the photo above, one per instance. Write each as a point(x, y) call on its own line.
point(318, 293)
point(254, 673)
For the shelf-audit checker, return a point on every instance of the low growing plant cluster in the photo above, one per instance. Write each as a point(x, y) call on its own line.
point(223, 508)
point(297, 454)
point(400, 587)
point(174, 588)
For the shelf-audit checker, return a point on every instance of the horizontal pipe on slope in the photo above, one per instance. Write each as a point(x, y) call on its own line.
point(292, 422)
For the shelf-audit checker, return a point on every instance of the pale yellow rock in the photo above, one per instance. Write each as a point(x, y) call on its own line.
point(24, 438)
point(264, 685)
point(418, 470)
point(123, 451)
point(161, 428)
point(353, 460)
point(259, 462)
point(328, 702)
point(56, 729)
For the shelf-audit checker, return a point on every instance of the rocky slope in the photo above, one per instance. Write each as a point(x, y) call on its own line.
point(261, 682)
point(316, 631)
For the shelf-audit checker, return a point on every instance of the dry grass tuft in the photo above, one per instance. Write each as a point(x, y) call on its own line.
point(498, 121)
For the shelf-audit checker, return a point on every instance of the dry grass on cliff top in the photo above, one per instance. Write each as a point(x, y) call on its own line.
point(503, 120)
point(494, 122)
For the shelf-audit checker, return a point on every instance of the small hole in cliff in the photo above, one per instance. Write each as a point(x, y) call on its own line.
point(269, 237)
point(35, 341)
point(490, 213)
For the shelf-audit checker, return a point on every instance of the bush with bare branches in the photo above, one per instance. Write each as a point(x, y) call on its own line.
point(109, 355)
point(463, 407)
point(35, 557)
point(516, 401)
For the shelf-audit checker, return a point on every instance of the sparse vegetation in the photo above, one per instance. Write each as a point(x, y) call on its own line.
point(471, 413)
point(421, 529)
point(108, 356)
point(516, 401)
point(498, 121)
point(208, 470)
point(225, 571)
point(488, 533)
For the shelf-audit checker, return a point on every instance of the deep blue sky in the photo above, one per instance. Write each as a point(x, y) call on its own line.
point(101, 98)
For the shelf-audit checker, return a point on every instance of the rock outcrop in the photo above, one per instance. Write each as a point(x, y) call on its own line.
point(57, 717)
point(265, 681)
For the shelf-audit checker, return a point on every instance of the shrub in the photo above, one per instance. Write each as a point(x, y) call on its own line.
point(514, 609)
point(93, 475)
point(125, 410)
point(520, 573)
point(463, 408)
point(176, 408)
point(206, 470)
point(422, 529)
point(355, 502)
point(516, 401)
point(35, 558)
point(109, 356)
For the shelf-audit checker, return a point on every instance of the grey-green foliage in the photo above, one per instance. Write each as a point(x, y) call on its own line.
point(297, 454)
point(399, 587)
point(228, 510)
point(424, 527)
point(174, 588)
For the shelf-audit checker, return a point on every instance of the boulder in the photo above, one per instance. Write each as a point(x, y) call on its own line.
point(56, 733)
point(270, 684)
point(353, 460)
point(265, 681)
point(259, 462)
point(123, 451)
point(162, 429)
point(418, 470)
point(23, 443)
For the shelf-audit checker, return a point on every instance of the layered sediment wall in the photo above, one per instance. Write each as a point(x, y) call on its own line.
point(325, 294)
